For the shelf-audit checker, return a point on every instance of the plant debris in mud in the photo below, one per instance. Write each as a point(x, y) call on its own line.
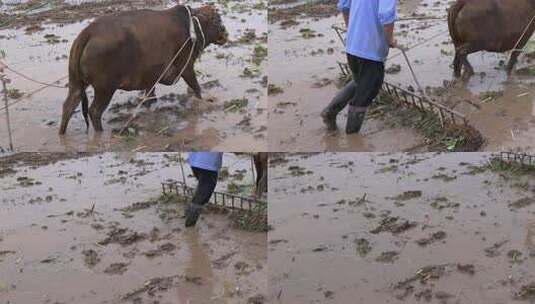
point(63, 13)
point(318, 9)
point(299, 171)
point(122, 236)
point(440, 203)
point(251, 220)
point(387, 257)
point(424, 274)
point(236, 104)
point(408, 195)
point(393, 225)
point(363, 247)
point(509, 168)
point(152, 286)
point(490, 96)
point(274, 90)
point(259, 54)
point(495, 249)
point(435, 237)
point(91, 258)
point(452, 138)
point(161, 250)
point(116, 268)
point(526, 292)
point(522, 203)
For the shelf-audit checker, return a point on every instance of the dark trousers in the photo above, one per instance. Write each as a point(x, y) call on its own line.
point(368, 77)
point(205, 187)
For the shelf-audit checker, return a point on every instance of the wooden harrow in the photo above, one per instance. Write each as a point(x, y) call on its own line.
point(447, 116)
point(521, 158)
point(221, 199)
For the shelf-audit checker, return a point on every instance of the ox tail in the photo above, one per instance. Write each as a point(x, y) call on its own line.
point(453, 12)
point(77, 84)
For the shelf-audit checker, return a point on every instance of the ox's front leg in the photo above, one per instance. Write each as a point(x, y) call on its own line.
point(191, 79)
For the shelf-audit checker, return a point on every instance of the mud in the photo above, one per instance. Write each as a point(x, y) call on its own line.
point(101, 237)
point(367, 247)
point(175, 121)
point(506, 120)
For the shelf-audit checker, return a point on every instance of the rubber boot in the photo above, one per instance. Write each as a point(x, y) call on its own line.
point(193, 212)
point(338, 103)
point(355, 119)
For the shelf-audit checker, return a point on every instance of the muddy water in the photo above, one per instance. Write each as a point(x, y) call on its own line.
point(506, 122)
point(312, 251)
point(47, 241)
point(181, 122)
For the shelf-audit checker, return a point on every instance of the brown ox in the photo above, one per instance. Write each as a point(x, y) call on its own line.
point(130, 50)
point(489, 25)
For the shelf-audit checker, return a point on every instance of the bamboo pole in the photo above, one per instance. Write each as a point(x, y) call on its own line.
point(182, 169)
point(8, 123)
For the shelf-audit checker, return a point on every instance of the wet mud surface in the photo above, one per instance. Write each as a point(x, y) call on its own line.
point(501, 109)
point(96, 230)
point(399, 228)
point(231, 117)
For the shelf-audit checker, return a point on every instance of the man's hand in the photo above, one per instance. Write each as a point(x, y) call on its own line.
point(346, 17)
point(389, 35)
point(393, 43)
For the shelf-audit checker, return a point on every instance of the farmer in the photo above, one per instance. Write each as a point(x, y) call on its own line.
point(370, 34)
point(205, 167)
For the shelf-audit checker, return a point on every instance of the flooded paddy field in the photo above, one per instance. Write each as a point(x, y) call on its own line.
point(400, 228)
point(232, 115)
point(95, 228)
point(304, 76)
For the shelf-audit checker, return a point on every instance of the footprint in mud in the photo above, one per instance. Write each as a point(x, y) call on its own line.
point(116, 268)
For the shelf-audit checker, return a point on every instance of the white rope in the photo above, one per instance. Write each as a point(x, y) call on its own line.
point(5, 66)
point(182, 169)
point(193, 37)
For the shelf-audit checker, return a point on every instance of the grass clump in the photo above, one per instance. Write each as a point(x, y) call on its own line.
point(251, 220)
point(509, 168)
point(451, 138)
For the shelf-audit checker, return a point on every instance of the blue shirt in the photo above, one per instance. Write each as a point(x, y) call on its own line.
point(206, 160)
point(365, 35)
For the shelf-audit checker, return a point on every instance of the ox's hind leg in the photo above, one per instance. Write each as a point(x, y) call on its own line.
point(512, 61)
point(100, 103)
point(457, 65)
point(70, 104)
point(462, 52)
point(151, 98)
